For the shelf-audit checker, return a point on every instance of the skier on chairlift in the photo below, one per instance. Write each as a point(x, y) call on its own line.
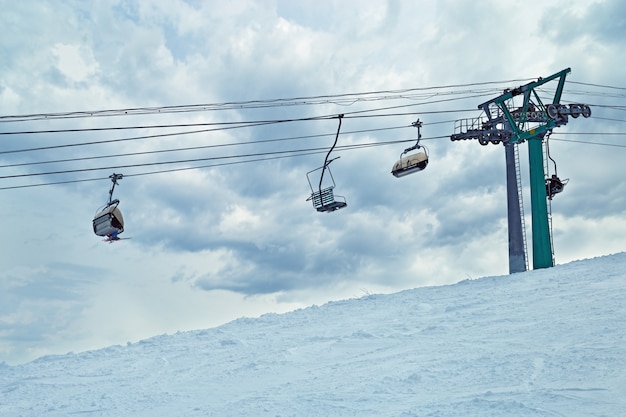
point(108, 221)
point(554, 185)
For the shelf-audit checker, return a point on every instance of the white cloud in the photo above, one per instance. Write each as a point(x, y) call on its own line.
point(242, 238)
point(74, 62)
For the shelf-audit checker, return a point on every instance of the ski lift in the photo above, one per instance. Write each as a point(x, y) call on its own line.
point(108, 220)
point(324, 199)
point(554, 185)
point(414, 162)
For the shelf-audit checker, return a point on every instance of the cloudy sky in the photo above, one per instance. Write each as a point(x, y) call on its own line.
point(216, 111)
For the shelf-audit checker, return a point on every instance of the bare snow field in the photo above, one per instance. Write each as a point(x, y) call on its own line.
point(549, 342)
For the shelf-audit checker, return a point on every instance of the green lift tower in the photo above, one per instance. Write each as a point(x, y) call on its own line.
point(517, 116)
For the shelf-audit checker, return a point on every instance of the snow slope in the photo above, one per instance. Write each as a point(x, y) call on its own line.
point(543, 343)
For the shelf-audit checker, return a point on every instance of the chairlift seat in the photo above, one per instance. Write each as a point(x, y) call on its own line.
point(108, 221)
point(554, 186)
point(410, 164)
point(324, 201)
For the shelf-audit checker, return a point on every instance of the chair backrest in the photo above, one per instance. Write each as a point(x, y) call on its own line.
point(325, 198)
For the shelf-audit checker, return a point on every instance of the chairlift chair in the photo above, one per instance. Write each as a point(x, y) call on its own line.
point(555, 185)
point(108, 220)
point(410, 164)
point(324, 199)
point(413, 162)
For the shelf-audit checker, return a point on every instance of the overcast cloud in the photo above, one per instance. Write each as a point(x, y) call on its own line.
point(213, 244)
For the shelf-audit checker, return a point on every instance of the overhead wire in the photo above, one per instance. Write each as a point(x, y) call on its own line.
point(280, 102)
point(100, 142)
point(254, 123)
point(401, 94)
point(191, 160)
point(295, 154)
point(229, 125)
point(191, 148)
point(154, 172)
point(586, 142)
point(597, 85)
point(222, 125)
point(268, 157)
point(245, 124)
point(239, 156)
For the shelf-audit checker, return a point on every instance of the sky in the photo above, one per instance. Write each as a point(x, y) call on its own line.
point(212, 244)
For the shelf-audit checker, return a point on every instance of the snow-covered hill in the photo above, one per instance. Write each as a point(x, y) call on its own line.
point(549, 342)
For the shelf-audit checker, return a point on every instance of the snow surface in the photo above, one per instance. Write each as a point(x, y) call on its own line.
point(549, 342)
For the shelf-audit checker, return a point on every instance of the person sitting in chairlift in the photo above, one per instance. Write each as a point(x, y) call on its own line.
point(554, 185)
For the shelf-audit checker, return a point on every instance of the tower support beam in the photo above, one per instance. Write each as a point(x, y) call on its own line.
point(542, 245)
point(517, 253)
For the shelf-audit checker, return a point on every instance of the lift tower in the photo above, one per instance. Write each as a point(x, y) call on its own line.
point(510, 124)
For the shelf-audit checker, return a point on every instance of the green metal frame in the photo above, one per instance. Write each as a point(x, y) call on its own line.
point(542, 246)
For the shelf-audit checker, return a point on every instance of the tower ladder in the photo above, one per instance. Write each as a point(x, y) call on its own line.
point(518, 179)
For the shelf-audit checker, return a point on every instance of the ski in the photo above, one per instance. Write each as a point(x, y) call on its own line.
point(115, 239)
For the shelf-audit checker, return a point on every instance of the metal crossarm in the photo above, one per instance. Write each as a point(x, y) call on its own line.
point(519, 122)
